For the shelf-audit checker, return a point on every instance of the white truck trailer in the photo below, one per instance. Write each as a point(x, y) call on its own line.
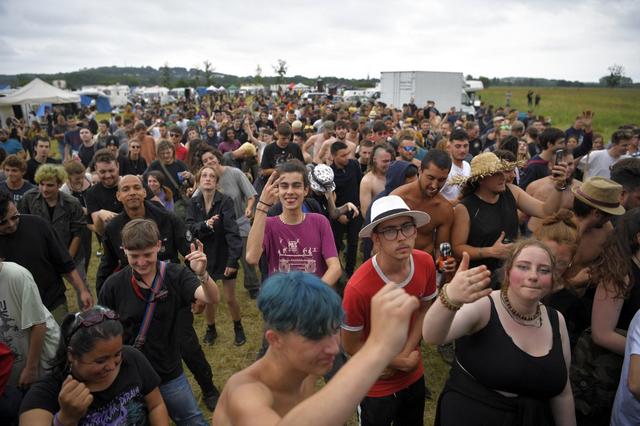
point(446, 89)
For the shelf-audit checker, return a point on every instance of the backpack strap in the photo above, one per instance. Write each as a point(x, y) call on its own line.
point(158, 281)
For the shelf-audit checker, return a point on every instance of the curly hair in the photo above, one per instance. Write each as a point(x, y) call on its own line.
point(613, 268)
point(51, 172)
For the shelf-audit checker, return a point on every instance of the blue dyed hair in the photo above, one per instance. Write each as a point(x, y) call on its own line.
point(302, 303)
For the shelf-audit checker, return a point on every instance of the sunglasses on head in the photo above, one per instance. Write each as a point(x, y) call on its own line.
point(91, 319)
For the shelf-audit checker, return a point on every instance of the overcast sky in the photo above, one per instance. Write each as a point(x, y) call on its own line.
point(573, 40)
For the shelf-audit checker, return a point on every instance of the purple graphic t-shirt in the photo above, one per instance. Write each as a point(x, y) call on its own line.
point(302, 247)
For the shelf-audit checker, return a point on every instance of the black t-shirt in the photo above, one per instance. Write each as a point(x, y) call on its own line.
point(121, 403)
point(265, 124)
point(347, 182)
point(132, 167)
point(99, 197)
point(363, 168)
point(161, 347)
point(36, 247)
point(174, 170)
point(274, 155)
point(17, 194)
point(32, 166)
point(475, 146)
point(86, 153)
point(172, 236)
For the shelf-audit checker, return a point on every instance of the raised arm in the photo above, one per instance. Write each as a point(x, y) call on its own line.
point(537, 208)
point(256, 235)
point(461, 308)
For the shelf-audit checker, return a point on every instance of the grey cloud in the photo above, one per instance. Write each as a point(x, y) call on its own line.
point(547, 38)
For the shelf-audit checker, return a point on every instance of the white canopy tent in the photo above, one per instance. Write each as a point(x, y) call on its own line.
point(38, 92)
point(28, 97)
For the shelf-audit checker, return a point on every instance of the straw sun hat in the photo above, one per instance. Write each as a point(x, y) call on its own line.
point(483, 165)
point(601, 193)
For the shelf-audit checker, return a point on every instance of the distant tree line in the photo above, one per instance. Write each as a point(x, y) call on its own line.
point(194, 77)
point(174, 77)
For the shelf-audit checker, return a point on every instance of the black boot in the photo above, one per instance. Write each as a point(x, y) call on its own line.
point(240, 338)
point(210, 335)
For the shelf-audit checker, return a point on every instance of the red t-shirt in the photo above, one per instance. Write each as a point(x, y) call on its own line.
point(363, 285)
point(181, 152)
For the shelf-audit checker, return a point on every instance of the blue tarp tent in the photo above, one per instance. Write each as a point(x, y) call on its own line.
point(41, 108)
point(101, 101)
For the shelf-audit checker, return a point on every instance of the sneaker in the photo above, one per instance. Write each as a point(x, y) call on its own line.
point(211, 399)
point(240, 338)
point(210, 335)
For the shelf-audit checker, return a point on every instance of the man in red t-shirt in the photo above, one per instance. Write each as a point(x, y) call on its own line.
point(393, 229)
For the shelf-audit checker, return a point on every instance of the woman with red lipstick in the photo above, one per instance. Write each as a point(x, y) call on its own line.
point(95, 379)
point(512, 352)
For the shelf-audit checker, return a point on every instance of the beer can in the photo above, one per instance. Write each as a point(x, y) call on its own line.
point(445, 249)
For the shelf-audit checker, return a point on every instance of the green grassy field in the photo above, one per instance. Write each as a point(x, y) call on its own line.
point(226, 359)
point(613, 107)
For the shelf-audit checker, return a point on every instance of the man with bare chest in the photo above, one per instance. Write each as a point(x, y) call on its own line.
point(424, 195)
point(541, 188)
point(375, 180)
point(302, 316)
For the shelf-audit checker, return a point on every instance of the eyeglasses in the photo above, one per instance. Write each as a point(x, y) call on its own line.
point(91, 319)
point(391, 234)
point(409, 148)
point(13, 218)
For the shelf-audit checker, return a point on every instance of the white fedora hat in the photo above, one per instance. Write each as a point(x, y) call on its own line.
point(389, 207)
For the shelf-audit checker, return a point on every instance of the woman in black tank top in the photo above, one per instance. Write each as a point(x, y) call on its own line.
point(512, 352)
point(487, 216)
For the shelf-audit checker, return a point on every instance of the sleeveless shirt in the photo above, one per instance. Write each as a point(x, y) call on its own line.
point(492, 358)
point(487, 221)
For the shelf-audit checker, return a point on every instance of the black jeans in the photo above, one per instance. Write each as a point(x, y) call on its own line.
point(351, 229)
point(405, 407)
point(192, 353)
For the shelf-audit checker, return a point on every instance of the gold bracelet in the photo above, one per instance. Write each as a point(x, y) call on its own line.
point(446, 302)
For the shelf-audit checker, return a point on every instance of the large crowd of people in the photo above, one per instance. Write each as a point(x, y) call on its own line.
point(362, 230)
